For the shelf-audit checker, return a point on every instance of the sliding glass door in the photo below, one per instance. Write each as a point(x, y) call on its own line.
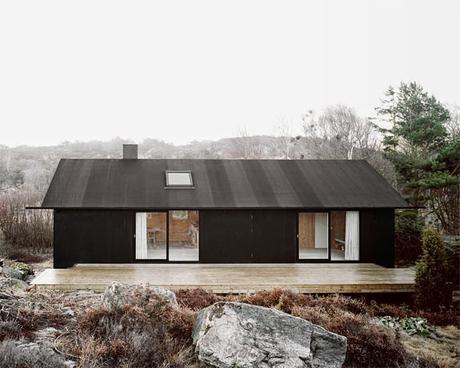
point(151, 235)
point(313, 235)
point(328, 236)
point(345, 235)
point(167, 236)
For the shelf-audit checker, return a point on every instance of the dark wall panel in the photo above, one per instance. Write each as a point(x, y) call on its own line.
point(377, 236)
point(233, 236)
point(93, 237)
point(274, 236)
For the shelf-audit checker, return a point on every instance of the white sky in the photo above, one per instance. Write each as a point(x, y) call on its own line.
point(185, 70)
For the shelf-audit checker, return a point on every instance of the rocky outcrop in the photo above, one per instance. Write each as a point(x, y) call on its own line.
point(118, 295)
point(13, 283)
point(242, 335)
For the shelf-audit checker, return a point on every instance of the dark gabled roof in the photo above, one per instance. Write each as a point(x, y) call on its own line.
point(140, 184)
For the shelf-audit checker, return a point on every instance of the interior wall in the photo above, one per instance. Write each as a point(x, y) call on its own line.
point(337, 228)
point(321, 230)
point(306, 230)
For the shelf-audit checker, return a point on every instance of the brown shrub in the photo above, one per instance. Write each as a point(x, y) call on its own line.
point(148, 332)
point(24, 315)
point(196, 299)
point(369, 344)
point(25, 229)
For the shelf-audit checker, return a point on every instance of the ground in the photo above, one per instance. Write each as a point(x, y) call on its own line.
point(75, 324)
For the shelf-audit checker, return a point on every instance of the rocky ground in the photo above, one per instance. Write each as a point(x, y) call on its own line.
point(130, 326)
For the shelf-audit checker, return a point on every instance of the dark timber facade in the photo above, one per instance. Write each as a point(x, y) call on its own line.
point(221, 211)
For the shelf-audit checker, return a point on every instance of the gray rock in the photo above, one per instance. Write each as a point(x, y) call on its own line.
point(118, 295)
point(14, 353)
point(13, 284)
point(242, 335)
point(13, 273)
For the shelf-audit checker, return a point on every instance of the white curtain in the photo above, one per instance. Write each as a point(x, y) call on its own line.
point(352, 236)
point(141, 235)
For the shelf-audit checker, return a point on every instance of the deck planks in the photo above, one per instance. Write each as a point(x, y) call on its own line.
point(235, 278)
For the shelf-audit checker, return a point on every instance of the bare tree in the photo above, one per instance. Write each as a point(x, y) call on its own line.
point(340, 133)
point(453, 124)
point(283, 145)
point(246, 146)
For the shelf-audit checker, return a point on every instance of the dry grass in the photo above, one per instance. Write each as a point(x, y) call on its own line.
point(150, 332)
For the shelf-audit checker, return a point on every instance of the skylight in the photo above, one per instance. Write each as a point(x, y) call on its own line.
point(179, 179)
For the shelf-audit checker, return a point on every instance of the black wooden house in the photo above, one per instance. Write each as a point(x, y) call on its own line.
point(220, 211)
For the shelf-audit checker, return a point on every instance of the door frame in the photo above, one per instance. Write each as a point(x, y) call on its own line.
point(166, 260)
point(329, 247)
point(314, 260)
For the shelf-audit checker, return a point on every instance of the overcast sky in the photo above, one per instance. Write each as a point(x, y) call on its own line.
point(185, 70)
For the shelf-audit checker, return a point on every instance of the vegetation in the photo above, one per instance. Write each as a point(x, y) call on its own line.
point(408, 237)
point(28, 235)
point(432, 289)
point(410, 325)
point(150, 332)
point(424, 152)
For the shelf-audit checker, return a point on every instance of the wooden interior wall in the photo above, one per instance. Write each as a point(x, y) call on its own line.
point(306, 230)
point(337, 228)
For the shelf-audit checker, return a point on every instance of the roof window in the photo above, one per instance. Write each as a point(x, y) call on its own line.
point(179, 179)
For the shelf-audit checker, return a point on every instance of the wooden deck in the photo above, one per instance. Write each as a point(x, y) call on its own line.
point(236, 278)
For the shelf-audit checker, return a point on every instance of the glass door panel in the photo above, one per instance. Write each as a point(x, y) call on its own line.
point(151, 235)
point(345, 235)
point(184, 235)
point(313, 235)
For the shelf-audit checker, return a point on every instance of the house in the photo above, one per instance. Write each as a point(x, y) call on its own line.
point(220, 211)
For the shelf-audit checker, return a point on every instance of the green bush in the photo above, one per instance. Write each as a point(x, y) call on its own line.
point(408, 237)
point(432, 289)
point(410, 325)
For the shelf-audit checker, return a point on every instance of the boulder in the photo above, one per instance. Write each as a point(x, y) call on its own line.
point(13, 283)
point(13, 273)
point(118, 295)
point(229, 334)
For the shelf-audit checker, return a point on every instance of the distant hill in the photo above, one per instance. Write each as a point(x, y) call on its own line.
point(32, 167)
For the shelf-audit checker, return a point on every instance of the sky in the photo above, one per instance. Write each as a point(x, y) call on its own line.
point(196, 70)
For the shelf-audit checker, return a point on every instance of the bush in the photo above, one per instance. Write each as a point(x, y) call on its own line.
point(25, 229)
point(431, 280)
point(408, 237)
point(148, 332)
point(196, 299)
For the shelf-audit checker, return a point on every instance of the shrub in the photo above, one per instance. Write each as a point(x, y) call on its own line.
point(431, 280)
point(23, 267)
point(24, 229)
point(196, 299)
point(410, 325)
point(148, 332)
point(368, 344)
point(408, 237)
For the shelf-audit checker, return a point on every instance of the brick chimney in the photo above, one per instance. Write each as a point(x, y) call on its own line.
point(130, 151)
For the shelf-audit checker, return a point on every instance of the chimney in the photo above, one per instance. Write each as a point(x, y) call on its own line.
point(130, 151)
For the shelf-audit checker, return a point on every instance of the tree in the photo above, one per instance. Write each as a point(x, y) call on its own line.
point(340, 133)
point(431, 279)
point(425, 154)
